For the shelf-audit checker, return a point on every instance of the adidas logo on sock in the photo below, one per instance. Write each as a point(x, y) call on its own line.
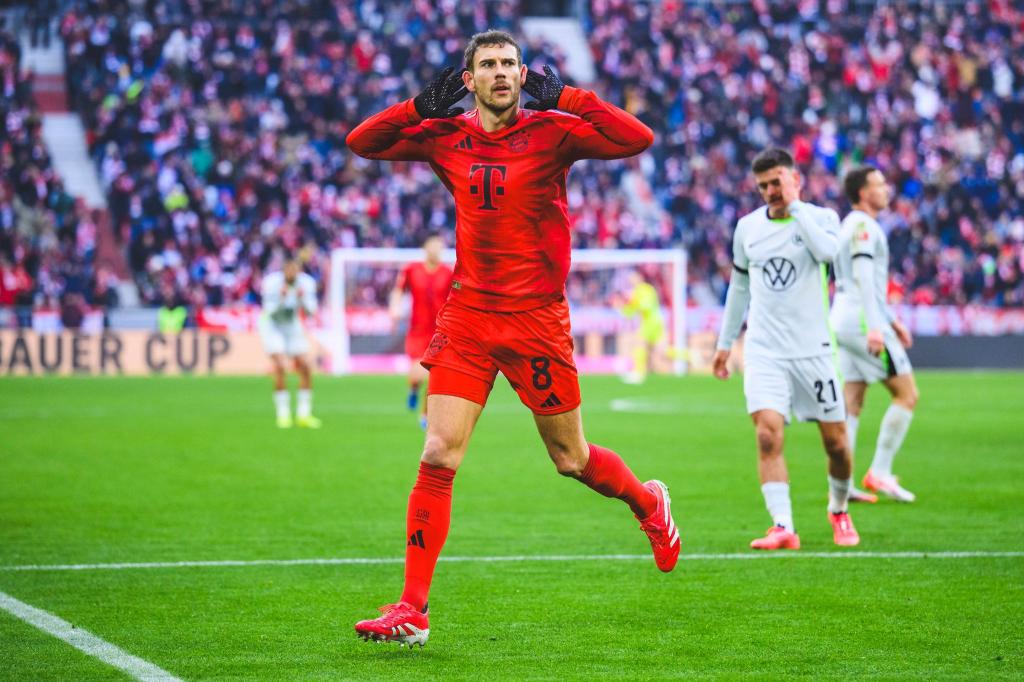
point(466, 143)
point(416, 540)
point(552, 401)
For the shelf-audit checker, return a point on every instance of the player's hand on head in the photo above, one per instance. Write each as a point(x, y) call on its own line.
point(546, 89)
point(720, 364)
point(790, 186)
point(436, 100)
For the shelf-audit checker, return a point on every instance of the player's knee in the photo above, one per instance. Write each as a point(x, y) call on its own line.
point(570, 466)
point(440, 451)
point(908, 399)
point(568, 460)
point(835, 445)
point(769, 441)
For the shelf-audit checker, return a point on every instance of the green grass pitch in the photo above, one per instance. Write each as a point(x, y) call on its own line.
point(167, 470)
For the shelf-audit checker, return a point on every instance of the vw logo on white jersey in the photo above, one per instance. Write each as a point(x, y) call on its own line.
point(779, 273)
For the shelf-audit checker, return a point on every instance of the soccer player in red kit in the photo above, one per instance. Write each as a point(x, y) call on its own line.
point(506, 168)
point(428, 283)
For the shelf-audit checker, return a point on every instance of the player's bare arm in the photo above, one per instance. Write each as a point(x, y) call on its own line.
point(903, 333)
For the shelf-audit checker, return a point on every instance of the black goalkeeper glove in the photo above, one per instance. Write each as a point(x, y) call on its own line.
point(545, 89)
point(437, 98)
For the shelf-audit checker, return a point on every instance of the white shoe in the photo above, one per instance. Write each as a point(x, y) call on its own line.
point(888, 486)
point(862, 496)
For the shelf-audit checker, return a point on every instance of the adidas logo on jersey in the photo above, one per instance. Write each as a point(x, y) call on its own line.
point(552, 401)
point(467, 143)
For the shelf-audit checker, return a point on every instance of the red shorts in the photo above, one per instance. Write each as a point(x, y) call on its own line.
point(532, 348)
point(416, 344)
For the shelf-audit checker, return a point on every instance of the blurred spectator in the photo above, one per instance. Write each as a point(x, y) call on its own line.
point(72, 311)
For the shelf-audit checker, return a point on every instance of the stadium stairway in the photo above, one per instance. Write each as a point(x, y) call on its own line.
point(567, 33)
point(65, 140)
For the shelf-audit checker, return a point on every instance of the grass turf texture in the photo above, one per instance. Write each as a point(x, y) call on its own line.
point(129, 470)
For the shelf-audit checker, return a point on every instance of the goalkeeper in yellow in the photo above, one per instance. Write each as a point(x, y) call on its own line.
point(650, 344)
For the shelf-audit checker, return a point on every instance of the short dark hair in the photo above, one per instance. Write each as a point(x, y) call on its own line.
point(490, 37)
point(854, 182)
point(772, 158)
point(432, 234)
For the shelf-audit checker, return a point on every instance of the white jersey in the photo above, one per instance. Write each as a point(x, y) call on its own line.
point(861, 237)
point(784, 260)
point(281, 303)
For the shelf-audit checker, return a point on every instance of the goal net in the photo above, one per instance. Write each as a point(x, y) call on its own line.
point(363, 337)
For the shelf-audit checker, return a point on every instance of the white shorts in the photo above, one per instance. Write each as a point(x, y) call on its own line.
point(282, 339)
point(857, 364)
point(806, 387)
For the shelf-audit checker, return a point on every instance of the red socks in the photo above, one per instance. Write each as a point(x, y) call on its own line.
point(430, 511)
point(426, 522)
point(608, 474)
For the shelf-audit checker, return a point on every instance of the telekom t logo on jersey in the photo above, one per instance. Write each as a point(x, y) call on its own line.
point(486, 179)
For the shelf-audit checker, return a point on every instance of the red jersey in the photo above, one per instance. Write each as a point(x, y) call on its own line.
point(429, 290)
point(512, 240)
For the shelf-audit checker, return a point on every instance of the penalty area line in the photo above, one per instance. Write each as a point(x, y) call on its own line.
point(85, 641)
point(374, 561)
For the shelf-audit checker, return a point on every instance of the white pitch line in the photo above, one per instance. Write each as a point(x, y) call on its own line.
point(350, 561)
point(85, 641)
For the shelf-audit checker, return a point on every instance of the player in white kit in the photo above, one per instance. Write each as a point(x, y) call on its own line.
point(779, 254)
point(871, 340)
point(284, 294)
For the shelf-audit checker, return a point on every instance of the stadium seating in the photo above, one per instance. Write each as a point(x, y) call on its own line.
point(47, 239)
point(219, 137)
point(932, 97)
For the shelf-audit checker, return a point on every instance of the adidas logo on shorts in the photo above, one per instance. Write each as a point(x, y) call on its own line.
point(552, 401)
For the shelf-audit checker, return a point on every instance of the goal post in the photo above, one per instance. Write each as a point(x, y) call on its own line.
point(362, 337)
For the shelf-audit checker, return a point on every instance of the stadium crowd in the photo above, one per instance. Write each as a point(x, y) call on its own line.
point(47, 238)
point(934, 97)
point(218, 129)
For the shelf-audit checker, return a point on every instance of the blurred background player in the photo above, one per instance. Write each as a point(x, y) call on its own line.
point(871, 340)
point(649, 343)
point(285, 293)
point(428, 283)
point(778, 256)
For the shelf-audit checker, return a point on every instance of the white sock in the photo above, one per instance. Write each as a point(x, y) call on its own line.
point(776, 499)
point(283, 403)
point(304, 403)
point(891, 433)
point(852, 422)
point(838, 494)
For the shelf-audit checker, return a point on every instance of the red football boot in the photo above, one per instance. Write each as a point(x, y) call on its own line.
point(843, 532)
point(777, 537)
point(661, 528)
point(400, 623)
